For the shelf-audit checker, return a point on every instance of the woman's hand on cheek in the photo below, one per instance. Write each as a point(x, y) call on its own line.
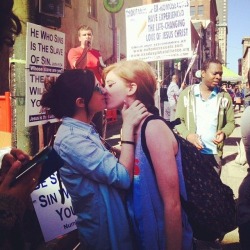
point(132, 115)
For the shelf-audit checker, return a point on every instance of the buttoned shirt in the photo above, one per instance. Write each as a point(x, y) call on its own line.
point(92, 177)
point(206, 119)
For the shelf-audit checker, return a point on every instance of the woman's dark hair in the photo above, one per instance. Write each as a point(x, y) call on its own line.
point(60, 96)
point(10, 24)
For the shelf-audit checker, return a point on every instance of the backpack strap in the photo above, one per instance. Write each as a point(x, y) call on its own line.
point(144, 142)
point(146, 151)
point(143, 137)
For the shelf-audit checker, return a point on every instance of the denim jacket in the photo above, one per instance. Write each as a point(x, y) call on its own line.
point(93, 177)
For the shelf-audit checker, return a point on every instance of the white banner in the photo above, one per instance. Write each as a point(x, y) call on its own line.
point(55, 218)
point(44, 58)
point(159, 31)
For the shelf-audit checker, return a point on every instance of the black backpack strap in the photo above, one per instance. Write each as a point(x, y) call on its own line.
point(143, 137)
point(144, 143)
point(171, 125)
point(61, 187)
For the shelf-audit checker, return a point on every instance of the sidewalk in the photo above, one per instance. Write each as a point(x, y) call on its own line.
point(232, 175)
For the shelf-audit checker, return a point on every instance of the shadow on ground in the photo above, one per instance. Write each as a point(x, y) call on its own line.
point(229, 158)
point(231, 246)
point(231, 141)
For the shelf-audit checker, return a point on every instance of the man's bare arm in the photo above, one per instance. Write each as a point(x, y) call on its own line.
point(81, 62)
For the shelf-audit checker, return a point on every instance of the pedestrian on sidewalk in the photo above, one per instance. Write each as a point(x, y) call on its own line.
point(243, 204)
point(173, 93)
point(238, 99)
point(154, 206)
point(247, 93)
point(94, 177)
point(206, 113)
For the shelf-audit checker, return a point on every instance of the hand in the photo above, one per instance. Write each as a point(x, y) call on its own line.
point(220, 136)
point(87, 44)
point(9, 159)
point(183, 85)
point(10, 168)
point(115, 151)
point(102, 64)
point(134, 114)
point(195, 139)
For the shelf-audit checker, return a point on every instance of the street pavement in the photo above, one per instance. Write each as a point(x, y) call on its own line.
point(232, 175)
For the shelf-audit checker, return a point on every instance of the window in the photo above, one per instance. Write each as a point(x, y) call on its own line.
point(200, 9)
point(93, 9)
point(192, 11)
point(52, 8)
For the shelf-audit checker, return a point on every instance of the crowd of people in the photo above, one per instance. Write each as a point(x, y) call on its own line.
point(130, 201)
point(93, 175)
point(240, 95)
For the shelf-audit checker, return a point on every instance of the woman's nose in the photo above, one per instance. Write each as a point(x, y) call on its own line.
point(104, 90)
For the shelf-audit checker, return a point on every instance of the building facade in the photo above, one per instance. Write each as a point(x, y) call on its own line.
point(245, 61)
point(222, 30)
point(204, 15)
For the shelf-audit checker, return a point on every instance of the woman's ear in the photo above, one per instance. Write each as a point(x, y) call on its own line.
point(132, 89)
point(80, 102)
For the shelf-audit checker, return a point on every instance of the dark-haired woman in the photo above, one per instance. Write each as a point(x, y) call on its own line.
point(92, 175)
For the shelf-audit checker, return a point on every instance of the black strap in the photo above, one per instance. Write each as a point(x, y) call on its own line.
point(171, 125)
point(144, 143)
point(143, 137)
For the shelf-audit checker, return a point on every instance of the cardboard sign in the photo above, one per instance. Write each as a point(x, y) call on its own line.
point(55, 218)
point(44, 59)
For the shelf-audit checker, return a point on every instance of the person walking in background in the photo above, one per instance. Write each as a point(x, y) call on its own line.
point(247, 94)
point(154, 205)
point(85, 57)
point(93, 177)
point(230, 90)
point(243, 202)
point(224, 87)
point(173, 93)
point(206, 114)
point(238, 98)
